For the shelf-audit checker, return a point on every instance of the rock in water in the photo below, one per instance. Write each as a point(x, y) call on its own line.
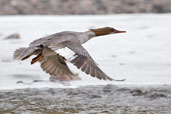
point(13, 36)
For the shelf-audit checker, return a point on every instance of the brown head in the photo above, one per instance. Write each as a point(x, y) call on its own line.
point(105, 31)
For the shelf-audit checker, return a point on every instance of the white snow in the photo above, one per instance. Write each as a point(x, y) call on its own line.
point(142, 55)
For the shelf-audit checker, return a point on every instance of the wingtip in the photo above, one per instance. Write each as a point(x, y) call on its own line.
point(118, 80)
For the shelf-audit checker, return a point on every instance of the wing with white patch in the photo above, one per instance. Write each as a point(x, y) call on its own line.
point(84, 61)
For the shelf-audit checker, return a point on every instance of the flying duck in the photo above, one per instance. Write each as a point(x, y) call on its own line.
point(55, 64)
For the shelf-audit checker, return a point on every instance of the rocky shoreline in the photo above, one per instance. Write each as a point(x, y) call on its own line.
point(108, 99)
point(82, 7)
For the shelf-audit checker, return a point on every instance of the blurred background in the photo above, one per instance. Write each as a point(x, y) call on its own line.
point(142, 55)
point(82, 7)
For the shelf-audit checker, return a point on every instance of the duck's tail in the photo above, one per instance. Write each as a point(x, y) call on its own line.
point(22, 53)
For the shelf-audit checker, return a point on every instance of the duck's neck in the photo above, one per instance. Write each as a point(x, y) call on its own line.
point(85, 36)
point(90, 34)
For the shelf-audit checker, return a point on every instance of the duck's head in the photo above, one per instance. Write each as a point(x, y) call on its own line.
point(105, 31)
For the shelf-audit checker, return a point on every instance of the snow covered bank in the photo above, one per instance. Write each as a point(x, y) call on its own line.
point(142, 55)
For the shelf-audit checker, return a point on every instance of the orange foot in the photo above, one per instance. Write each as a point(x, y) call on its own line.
point(39, 57)
point(26, 57)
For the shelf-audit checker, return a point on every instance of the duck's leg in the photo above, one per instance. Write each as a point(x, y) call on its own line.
point(26, 57)
point(39, 57)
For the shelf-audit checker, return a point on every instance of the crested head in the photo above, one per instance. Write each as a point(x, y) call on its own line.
point(105, 31)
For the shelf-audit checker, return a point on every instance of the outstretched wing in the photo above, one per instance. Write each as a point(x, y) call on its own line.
point(55, 65)
point(84, 62)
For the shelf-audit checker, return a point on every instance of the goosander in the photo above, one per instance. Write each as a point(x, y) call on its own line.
point(55, 64)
